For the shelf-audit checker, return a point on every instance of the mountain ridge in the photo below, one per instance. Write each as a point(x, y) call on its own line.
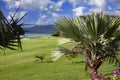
point(40, 29)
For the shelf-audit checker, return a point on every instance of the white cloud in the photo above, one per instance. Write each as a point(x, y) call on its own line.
point(43, 16)
point(98, 3)
point(18, 15)
point(96, 10)
point(79, 6)
point(47, 19)
point(56, 5)
point(90, 2)
point(116, 12)
point(54, 14)
point(96, 6)
point(78, 11)
point(35, 4)
point(101, 5)
point(12, 3)
point(112, 12)
point(77, 2)
point(47, 8)
point(42, 5)
point(117, 2)
point(60, 3)
point(44, 21)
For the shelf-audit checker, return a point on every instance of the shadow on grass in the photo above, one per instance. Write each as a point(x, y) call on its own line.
point(78, 62)
point(49, 61)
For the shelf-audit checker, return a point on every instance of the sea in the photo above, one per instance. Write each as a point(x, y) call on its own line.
point(32, 35)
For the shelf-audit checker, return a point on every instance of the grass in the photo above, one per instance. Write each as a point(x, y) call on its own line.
point(19, 65)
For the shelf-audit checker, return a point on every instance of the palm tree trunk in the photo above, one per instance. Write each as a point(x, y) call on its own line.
point(93, 64)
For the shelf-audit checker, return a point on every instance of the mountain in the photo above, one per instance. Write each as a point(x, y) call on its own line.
point(40, 29)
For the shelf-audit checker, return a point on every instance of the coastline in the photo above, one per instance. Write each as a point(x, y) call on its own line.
point(35, 35)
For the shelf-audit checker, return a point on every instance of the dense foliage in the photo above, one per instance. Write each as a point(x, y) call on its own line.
point(9, 33)
point(98, 36)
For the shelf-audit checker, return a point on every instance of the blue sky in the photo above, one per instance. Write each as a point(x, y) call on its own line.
point(44, 12)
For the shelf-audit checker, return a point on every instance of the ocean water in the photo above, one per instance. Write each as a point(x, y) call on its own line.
point(31, 35)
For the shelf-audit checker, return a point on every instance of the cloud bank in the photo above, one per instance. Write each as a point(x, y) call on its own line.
point(53, 9)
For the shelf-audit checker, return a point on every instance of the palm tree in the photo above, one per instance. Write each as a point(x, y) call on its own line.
point(98, 36)
point(9, 38)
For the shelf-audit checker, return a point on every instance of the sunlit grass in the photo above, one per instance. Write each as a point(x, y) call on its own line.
point(19, 65)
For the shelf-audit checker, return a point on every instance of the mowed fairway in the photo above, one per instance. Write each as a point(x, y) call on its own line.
point(17, 65)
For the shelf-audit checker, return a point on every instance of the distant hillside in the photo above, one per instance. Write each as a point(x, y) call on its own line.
point(41, 29)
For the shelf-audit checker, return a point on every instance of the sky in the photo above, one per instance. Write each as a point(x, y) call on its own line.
point(46, 12)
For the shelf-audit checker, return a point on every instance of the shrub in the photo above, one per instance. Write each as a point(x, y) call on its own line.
point(40, 57)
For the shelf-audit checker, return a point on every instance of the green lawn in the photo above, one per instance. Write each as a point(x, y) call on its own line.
point(19, 65)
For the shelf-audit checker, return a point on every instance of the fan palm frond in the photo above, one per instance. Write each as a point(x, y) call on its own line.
point(98, 35)
point(8, 37)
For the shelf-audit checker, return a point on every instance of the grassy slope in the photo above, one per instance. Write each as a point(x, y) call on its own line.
point(22, 65)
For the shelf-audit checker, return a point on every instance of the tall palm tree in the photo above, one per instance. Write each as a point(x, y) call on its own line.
point(98, 36)
point(9, 38)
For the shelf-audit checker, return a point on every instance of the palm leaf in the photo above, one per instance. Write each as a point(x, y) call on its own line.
point(95, 32)
point(8, 37)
